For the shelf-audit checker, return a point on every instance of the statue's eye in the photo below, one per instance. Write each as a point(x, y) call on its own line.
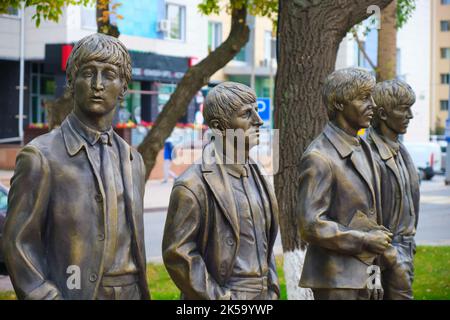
point(87, 74)
point(111, 75)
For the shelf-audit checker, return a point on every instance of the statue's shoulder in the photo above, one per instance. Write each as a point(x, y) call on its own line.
point(47, 142)
point(191, 177)
point(320, 145)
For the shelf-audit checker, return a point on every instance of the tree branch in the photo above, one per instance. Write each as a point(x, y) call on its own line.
point(196, 77)
point(363, 50)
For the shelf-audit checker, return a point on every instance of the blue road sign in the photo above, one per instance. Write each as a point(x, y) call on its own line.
point(264, 109)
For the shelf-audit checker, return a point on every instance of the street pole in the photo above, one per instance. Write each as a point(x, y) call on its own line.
point(447, 137)
point(22, 68)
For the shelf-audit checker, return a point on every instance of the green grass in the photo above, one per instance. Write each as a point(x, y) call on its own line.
point(431, 280)
point(432, 273)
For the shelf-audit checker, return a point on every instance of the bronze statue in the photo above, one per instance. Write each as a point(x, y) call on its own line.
point(74, 228)
point(399, 184)
point(223, 215)
point(338, 199)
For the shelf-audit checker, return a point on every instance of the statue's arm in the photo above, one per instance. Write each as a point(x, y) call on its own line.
point(314, 198)
point(181, 254)
point(23, 237)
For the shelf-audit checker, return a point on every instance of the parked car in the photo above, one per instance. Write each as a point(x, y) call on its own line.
point(427, 156)
point(3, 208)
point(443, 144)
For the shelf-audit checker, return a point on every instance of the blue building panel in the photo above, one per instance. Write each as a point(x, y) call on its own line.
point(141, 17)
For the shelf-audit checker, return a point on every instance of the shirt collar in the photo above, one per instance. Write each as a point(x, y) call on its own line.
point(90, 135)
point(237, 170)
point(394, 146)
point(351, 141)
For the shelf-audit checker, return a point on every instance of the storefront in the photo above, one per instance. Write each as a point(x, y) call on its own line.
point(154, 79)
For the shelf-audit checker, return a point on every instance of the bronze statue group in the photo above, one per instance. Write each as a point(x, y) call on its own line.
point(74, 226)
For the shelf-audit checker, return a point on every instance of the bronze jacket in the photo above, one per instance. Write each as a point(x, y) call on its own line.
point(56, 217)
point(201, 235)
point(391, 185)
point(337, 204)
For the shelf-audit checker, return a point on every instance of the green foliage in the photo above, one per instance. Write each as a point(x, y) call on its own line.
point(265, 8)
point(45, 9)
point(405, 9)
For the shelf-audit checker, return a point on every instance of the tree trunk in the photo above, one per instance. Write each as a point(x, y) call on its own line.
point(309, 34)
point(194, 79)
point(387, 43)
point(103, 19)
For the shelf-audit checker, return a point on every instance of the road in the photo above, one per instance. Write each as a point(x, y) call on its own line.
point(433, 228)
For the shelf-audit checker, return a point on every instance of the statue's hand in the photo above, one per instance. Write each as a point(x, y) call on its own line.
point(378, 241)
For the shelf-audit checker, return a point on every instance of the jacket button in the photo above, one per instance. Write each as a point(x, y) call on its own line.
point(101, 237)
point(98, 197)
point(372, 211)
point(93, 277)
point(230, 241)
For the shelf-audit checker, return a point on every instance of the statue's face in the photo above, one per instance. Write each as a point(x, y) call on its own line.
point(398, 118)
point(247, 119)
point(359, 112)
point(97, 88)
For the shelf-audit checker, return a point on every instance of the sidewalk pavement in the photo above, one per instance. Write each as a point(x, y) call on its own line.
point(157, 195)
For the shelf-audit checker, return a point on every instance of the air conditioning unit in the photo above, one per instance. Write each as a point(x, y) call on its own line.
point(164, 26)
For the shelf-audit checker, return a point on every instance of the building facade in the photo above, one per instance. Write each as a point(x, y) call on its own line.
point(164, 39)
point(440, 64)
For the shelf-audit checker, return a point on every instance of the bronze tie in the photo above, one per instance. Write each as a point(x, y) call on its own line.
point(109, 185)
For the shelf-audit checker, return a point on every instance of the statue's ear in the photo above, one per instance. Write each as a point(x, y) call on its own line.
point(123, 93)
point(382, 115)
point(215, 125)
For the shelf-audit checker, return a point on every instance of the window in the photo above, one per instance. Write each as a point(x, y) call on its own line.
point(175, 14)
point(445, 2)
point(445, 78)
point(89, 17)
point(242, 55)
point(445, 25)
point(214, 35)
point(444, 105)
point(269, 47)
point(445, 53)
point(43, 89)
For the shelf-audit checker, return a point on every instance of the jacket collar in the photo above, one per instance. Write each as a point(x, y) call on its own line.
point(343, 147)
point(219, 184)
point(383, 150)
point(74, 141)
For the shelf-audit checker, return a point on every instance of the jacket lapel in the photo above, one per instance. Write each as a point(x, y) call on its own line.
point(386, 155)
point(363, 175)
point(219, 185)
point(345, 150)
